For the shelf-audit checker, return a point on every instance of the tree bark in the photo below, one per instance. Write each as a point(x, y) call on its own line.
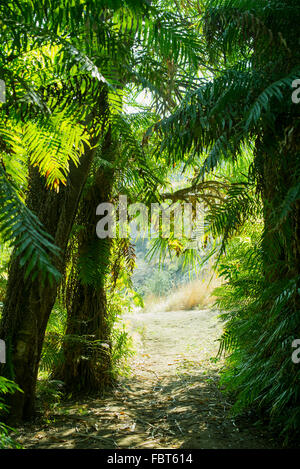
point(87, 346)
point(278, 168)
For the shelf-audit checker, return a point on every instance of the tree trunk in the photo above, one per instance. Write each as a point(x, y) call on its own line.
point(279, 174)
point(279, 169)
point(87, 348)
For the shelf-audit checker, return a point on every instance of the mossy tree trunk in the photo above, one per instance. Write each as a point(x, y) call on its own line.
point(87, 347)
point(279, 173)
point(279, 169)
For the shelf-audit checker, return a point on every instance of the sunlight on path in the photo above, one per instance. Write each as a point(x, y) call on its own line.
point(172, 399)
point(165, 339)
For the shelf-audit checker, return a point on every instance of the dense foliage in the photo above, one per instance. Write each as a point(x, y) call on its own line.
point(217, 126)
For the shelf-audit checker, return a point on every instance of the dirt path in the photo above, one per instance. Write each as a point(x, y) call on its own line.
point(172, 399)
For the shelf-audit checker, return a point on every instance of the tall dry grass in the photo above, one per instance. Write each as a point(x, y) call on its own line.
point(194, 295)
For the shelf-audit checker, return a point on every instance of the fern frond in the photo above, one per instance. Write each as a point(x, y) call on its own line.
point(21, 227)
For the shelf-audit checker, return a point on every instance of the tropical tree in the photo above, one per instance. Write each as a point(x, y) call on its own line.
point(23, 324)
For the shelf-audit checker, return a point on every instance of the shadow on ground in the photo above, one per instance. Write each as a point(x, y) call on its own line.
point(172, 399)
point(186, 410)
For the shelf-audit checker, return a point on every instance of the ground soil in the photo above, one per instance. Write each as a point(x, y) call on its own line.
point(172, 399)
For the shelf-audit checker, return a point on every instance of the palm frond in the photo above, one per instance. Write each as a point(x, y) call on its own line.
point(21, 227)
